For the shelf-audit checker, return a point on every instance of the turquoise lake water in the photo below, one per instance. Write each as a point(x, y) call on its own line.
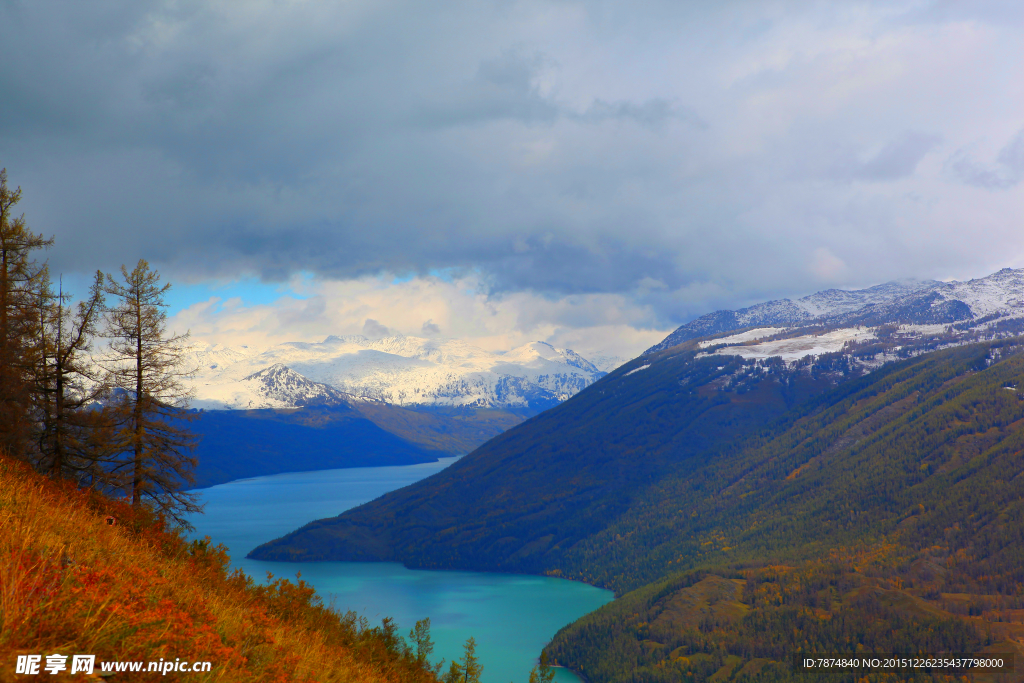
point(511, 616)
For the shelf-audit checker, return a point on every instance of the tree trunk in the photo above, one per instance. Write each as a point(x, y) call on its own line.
point(137, 473)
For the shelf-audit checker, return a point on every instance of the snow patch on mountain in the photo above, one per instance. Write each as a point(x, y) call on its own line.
point(274, 387)
point(749, 335)
point(999, 293)
point(637, 369)
point(794, 348)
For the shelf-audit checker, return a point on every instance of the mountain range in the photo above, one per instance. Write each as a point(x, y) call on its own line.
point(977, 304)
point(828, 466)
point(397, 370)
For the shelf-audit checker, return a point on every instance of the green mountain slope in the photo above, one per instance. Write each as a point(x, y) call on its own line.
point(919, 446)
point(890, 521)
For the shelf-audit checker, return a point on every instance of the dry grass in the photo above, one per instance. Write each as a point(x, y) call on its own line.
point(72, 584)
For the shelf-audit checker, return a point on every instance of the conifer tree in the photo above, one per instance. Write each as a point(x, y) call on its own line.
point(420, 636)
point(20, 276)
point(75, 438)
point(469, 669)
point(146, 372)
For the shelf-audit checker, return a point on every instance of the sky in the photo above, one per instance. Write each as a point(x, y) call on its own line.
point(582, 172)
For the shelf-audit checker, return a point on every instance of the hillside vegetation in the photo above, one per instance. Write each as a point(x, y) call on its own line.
point(71, 583)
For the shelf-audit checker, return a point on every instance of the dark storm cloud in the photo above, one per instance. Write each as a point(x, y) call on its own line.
point(558, 146)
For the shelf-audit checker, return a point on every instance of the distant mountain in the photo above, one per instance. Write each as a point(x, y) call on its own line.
point(978, 304)
point(396, 370)
point(280, 385)
point(403, 401)
point(240, 444)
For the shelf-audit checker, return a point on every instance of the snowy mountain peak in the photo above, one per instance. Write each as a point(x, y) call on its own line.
point(911, 302)
point(278, 386)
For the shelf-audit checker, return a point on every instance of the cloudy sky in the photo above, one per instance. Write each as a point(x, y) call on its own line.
point(585, 172)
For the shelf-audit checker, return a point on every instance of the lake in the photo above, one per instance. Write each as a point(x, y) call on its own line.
point(511, 616)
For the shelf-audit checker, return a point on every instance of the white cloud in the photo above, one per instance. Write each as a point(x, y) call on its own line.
point(592, 324)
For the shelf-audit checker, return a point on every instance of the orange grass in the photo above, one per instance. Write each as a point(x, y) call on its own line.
point(72, 584)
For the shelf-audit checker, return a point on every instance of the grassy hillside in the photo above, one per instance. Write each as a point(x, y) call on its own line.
point(70, 583)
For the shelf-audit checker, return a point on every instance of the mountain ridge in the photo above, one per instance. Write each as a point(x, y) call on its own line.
point(397, 370)
point(999, 295)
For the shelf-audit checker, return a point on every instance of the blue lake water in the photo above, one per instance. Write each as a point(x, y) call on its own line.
point(511, 616)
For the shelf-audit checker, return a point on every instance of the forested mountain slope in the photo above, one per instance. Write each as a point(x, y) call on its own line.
point(890, 521)
point(238, 444)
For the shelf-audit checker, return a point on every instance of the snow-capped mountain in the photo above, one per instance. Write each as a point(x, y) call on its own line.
point(398, 370)
point(278, 386)
point(974, 305)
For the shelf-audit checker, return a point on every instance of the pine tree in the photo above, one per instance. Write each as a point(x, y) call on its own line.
point(454, 674)
point(471, 666)
point(420, 636)
point(20, 276)
point(146, 370)
point(469, 669)
point(75, 436)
